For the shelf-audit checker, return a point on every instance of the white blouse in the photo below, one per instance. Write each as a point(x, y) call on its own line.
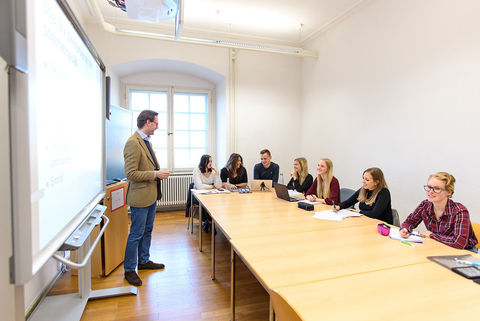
point(203, 182)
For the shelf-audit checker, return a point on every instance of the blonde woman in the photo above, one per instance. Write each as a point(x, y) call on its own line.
point(374, 197)
point(446, 221)
point(301, 180)
point(325, 187)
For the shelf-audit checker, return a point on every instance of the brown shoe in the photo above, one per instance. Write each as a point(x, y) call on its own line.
point(149, 265)
point(133, 278)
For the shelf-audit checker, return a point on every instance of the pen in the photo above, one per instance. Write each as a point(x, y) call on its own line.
point(467, 262)
point(408, 243)
point(416, 234)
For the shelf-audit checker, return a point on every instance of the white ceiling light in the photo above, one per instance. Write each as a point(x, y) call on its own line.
point(151, 10)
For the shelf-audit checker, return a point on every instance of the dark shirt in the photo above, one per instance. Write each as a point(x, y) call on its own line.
point(260, 172)
point(381, 209)
point(295, 184)
point(334, 197)
point(233, 180)
point(453, 229)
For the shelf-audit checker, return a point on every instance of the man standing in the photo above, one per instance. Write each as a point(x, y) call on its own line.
point(143, 174)
point(266, 169)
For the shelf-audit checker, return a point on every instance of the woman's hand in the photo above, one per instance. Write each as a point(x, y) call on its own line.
point(425, 234)
point(404, 233)
point(311, 198)
point(215, 170)
point(294, 175)
point(336, 208)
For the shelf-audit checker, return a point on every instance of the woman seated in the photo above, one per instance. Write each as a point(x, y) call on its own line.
point(446, 221)
point(206, 176)
point(325, 187)
point(301, 180)
point(374, 197)
point(234, 172)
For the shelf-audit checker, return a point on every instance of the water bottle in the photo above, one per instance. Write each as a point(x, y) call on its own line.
point(281, 179)
point(227, 185)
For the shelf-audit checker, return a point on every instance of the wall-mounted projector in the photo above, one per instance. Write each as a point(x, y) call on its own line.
point(151, 10)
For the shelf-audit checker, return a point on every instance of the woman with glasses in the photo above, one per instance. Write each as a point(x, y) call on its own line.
point(446, 221)
point(374, 197)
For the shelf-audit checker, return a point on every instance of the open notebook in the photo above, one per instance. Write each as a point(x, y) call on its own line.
point(395, 235)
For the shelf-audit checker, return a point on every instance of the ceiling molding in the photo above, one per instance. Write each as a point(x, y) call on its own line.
point(359, 5)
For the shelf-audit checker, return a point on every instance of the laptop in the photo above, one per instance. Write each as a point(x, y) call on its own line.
point(282, 192)
point(262, 185)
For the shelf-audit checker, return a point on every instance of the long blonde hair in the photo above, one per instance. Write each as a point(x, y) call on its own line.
point(320, 183)
point(377, 175)
point(303, 169)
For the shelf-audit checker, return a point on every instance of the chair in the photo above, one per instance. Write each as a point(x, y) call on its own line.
point(282, 310)
point(191, 207)
point(476, 231)
point(345, 194)
point(396, 219)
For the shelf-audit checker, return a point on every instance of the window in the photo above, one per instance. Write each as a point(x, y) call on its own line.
point(183, 132)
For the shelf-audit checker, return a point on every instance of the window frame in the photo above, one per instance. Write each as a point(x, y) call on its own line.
point(171, 91)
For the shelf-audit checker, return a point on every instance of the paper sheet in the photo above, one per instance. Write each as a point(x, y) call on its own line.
point(330, 215)
point(292, 193)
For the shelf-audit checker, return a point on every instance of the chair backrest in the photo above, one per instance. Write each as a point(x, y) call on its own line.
point(396, 218)
point(345, 193)
point(283, 311)
point(476, 231)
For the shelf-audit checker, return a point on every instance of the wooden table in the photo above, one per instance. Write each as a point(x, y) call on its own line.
point(425, 291)
point(289, 251)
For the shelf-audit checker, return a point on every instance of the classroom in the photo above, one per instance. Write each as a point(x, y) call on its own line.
point(393, 84)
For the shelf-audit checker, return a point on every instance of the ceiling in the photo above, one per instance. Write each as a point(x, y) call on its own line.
point(266, 22)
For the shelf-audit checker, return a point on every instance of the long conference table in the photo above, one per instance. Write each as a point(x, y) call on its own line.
point(344, 270)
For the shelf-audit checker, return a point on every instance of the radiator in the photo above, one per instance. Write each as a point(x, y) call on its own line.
point(174, 190)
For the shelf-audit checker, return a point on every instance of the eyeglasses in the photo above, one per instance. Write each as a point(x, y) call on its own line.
point(436, 189)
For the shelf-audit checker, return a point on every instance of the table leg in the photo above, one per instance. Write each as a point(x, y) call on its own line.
point(213, 250)
point(271, 313)
point(200, 231)
point(232, 284)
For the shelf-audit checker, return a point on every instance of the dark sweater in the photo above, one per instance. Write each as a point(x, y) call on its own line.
point(381, 209)
point(295, 184)
point(233, 180)
point(260, 172)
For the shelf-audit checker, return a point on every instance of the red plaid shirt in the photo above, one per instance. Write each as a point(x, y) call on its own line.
point(453, 228)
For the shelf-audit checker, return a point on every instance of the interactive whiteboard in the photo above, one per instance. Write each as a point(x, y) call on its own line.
point(58, 135)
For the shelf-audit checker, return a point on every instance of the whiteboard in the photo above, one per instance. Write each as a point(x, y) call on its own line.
point(58, 135)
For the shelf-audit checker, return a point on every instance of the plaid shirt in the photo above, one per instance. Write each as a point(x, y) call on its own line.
point(453, 228)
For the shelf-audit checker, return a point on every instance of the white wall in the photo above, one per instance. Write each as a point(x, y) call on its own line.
point(268, 108)
point(396, 86)
point(163, 79)
point(268, 91)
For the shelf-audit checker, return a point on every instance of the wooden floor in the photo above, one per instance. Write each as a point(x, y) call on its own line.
point(184, 290)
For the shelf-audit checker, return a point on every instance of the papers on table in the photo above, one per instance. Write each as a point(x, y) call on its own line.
point(292, 193)
point(330, 215)
point(210, 191)
point(395, 235)
point(308, 202)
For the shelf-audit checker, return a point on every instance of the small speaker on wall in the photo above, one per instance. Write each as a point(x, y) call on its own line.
point(107, 96)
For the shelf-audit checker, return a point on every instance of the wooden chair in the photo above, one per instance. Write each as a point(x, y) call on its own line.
point(476, 231)
point(281, 309)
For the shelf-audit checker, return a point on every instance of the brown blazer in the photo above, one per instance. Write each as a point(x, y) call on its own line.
point(139, 170)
